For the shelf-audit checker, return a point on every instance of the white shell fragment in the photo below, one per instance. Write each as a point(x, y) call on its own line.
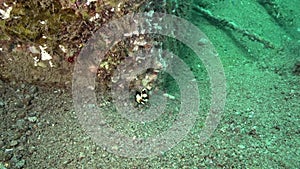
point(89, 2)
point(140, 43)
point(5, 14)
point(94, 17)
point(5, 4)
point(45, 54)
point(51, 64)
point(33, 50)
point(36, 60)
point(43, 22)
point(135, 32)
point(169, 96)
point(62, 48)
point(119, 7)
point(135, 48)
point(127, 34)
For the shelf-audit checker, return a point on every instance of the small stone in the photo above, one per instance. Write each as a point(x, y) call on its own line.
point(7, 154)
point(42, 64)
point(20, 148)
point(13, 143)
point(20, 164)
point(32, 114)
point(1, 143)
point(169, 96)
point(28, 133)
point(19, 104)
point(33, 89)
point(27, 100)
point(81, 155)
point(16, 136)
point(66, 162)
point(34, 50)
point(241, 146)
point(32, 119)
point(2, 104)
point(20, 124)
point(21, 114)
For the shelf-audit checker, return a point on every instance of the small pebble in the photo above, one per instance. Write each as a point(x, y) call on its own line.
point(19, 104)
point(241, 146)
point(81, 155)
point(169, 96)
point(20, 164)
point(13, 143)
point(1, 143)
point(20, 124)
point(32, 114)
point(33, 89)
point(32, 119)
point(2, 104)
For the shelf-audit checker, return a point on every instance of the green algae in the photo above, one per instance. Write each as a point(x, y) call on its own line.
point(32, 21)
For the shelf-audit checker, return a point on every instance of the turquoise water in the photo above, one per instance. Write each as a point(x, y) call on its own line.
point(258, 45)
